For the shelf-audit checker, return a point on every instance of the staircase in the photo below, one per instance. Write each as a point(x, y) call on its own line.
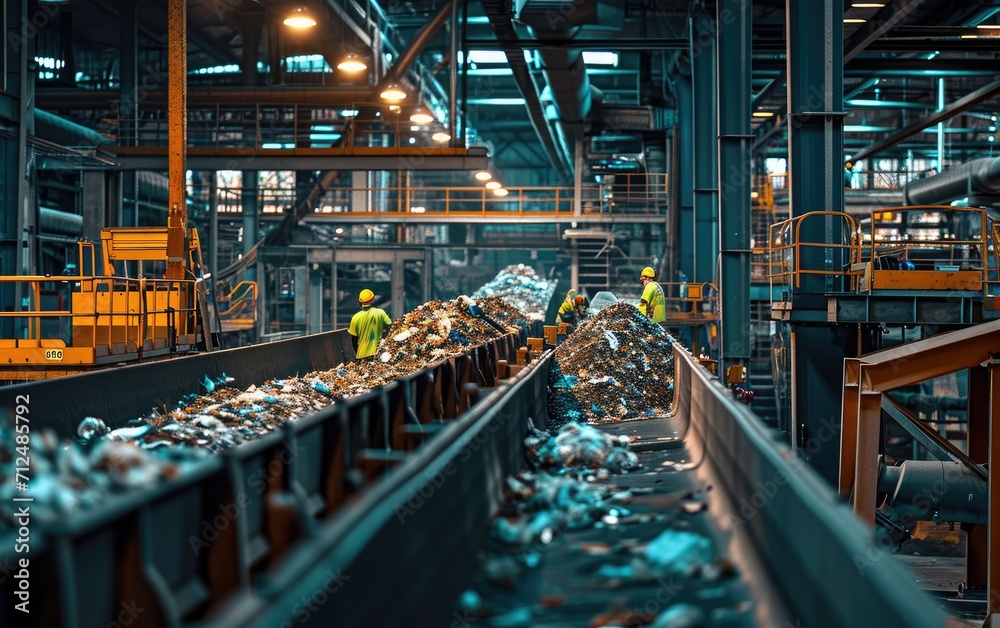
point(592, 258)
point(761, 377)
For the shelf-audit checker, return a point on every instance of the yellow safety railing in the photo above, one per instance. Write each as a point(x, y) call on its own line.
point(691, 300)
point(120, 314)
point(785, 250)
point(240, 304)
point(925, 238)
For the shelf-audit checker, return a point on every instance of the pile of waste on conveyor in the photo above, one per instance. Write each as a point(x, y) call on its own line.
point(69, 474)
point(616, 365)
point(521, 287)
point(502, 312)
point(570, 490)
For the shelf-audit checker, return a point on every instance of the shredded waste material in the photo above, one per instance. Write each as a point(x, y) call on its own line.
point(521, 287)
point(616, 365)
point(69, 475)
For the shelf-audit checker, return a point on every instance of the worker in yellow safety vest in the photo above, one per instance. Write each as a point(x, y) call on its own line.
point(567, 310)
point(652, 303)
point(367, 326)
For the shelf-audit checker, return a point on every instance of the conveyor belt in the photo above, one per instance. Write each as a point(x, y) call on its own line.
point(398, 552)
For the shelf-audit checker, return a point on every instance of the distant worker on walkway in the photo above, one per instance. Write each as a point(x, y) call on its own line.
point(567, 309)
point(580, 305)
point(652, 303)
point(367, 326)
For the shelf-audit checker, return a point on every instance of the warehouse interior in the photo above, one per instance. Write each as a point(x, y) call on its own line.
point(184, 178)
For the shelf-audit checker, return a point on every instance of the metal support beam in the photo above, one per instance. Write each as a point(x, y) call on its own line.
point(815, 155)
point(685, 157)
point(250, 218)
point(964, 103)
point(706, 133)
point(733, 23)
point(888, 17)
point(213, 223)
point(177, 139)
point(128, 106)
point(993, 534)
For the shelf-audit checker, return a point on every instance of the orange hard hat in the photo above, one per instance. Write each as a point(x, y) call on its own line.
point(579, 300)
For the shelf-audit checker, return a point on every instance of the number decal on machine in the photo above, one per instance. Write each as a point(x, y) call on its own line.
point(55, 355)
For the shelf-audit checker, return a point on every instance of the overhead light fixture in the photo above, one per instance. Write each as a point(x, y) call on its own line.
point(419, 209)
point(352, 63)
point(394, 108)
point(593, 57)
point(493, 185)
point(483, 175)
point(989, 27)
point(867, 5)
point(441, 137)
point(854, 20)
point(762, 114)
point(970, 36)
point(393, 92)
point(501, 192)
point(300, 18)
point(421, 116)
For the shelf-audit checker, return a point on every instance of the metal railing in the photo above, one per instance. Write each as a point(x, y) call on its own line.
point(942, 238)
point(97, 311)
point(626, 194)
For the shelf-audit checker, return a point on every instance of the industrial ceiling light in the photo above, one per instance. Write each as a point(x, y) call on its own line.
point(300, 18)
point(762, 114)
point(352, 63)
point(441, 137)
point(493, 185)
point(393, 93)
point(854, 20)
point(483, 175)
point(421, 116)
point(867, 5)
point(501, 192)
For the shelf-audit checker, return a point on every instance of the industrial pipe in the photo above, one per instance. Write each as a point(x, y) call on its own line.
point(980, 176)
point(932, 490)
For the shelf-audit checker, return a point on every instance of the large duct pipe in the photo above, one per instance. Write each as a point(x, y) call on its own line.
point(977, 177)
point(59, 130)
point(57, 221)
point(565, 74)
point(931, 490)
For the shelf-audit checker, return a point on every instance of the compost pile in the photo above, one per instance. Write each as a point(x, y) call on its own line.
point(617, 365)
point(519, 286)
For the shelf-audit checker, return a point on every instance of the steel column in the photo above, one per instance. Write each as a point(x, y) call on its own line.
point(815, 150)
point(706, 132)
point(733, 23)
point(866, 460)
point(685, 209)
point(250, 219)
point(176, 139)
point(128, 107)
point(993, 538)
point(940, 126)
point(213, 223)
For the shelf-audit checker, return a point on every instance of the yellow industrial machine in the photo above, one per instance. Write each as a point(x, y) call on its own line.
point(113, 310)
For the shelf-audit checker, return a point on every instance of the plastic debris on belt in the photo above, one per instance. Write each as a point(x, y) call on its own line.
point(521, 287)
point(69, 475)
point(616, 365)
point(565, 491)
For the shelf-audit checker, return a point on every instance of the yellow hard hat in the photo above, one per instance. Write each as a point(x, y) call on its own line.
point(366, 297)
point(648, 272)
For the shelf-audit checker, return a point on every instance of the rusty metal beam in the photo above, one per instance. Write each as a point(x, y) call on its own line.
point(935, 356)
point(849, 426)
point(993, 538)
point(176, 138)
point(866, 463)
